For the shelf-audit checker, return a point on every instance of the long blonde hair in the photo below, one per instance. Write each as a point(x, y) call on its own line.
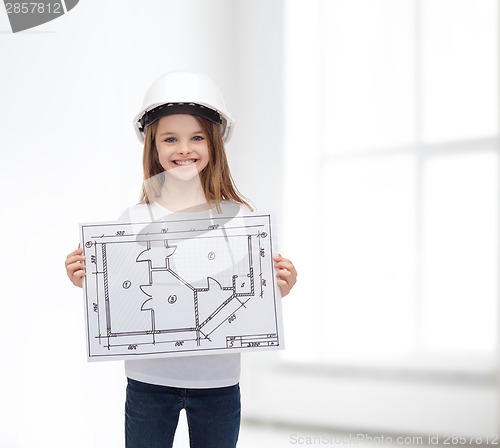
point(216, 179)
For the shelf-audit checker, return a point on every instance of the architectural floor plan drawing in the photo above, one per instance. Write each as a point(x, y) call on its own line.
point(180, 287)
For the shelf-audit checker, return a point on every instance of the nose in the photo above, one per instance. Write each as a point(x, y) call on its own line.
point(184, 148)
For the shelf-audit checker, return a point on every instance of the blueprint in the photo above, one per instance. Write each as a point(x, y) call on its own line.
point(181, 286)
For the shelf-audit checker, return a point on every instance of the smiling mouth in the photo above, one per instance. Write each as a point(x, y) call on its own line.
point(185, 162)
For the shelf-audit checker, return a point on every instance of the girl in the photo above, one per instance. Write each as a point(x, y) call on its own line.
point(184, 124)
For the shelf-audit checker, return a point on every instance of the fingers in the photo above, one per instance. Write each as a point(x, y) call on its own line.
point(75, 267)
point(78, 251)
point(287, 274)
point(284, 263)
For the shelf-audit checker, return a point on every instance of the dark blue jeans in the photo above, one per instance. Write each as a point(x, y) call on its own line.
point(152, 413)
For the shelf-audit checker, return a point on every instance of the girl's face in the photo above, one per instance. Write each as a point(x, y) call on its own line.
point(182, 146)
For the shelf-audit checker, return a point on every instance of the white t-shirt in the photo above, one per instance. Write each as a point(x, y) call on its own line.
point(196, 372)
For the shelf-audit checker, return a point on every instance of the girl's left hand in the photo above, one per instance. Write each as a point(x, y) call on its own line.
point(287, 274)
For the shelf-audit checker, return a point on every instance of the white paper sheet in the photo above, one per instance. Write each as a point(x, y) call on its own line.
point(181, 287)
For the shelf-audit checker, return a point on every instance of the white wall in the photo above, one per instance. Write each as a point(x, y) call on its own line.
point(69, 90)
point(256, 154)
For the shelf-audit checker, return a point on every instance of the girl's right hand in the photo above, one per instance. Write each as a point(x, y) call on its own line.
point(75, 267)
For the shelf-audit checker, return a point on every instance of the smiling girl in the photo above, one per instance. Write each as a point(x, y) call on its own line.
point(184, 124)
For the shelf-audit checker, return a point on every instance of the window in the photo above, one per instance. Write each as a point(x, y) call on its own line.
point(392, 166)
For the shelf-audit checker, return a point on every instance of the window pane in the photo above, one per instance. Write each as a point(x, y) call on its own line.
point(459, 258)
point(459, 69)
point(369, 74)
point(367, 257)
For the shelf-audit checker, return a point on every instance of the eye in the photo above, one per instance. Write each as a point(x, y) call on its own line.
point(197, 138)
point(170, 139)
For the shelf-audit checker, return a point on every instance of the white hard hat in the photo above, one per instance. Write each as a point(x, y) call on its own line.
point(184, 93)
